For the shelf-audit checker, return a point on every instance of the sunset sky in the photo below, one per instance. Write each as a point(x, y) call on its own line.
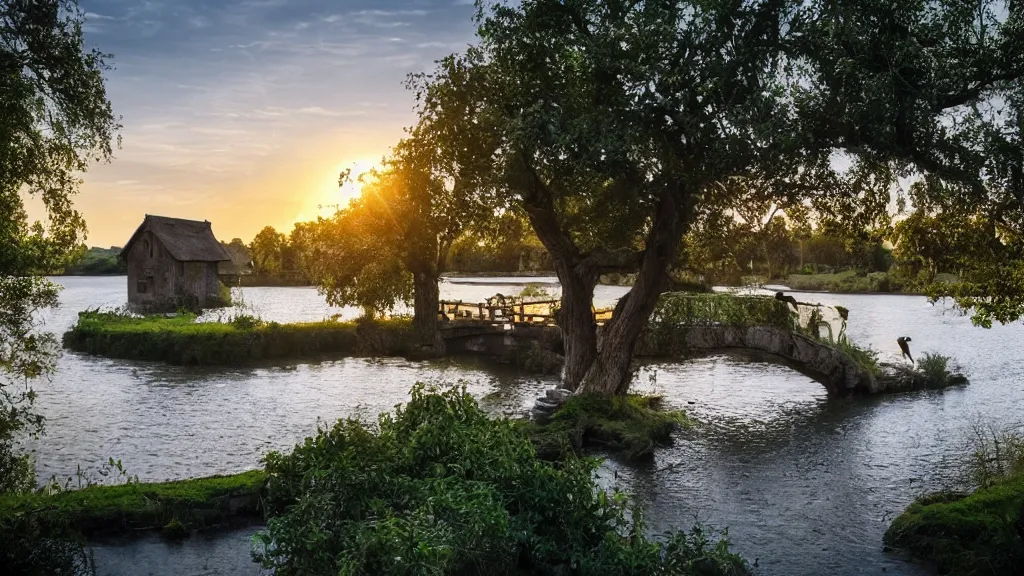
point(243, 112)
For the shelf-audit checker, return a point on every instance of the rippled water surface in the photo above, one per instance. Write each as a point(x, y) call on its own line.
point(806, 484)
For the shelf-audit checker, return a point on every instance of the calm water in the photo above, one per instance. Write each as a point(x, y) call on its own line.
point(805, 484)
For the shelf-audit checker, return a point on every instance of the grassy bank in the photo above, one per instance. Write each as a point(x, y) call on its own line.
point(182, 340)
point(966, 534)
point(978, 533)
point(631, 425)
point(96, 510)
point(847, 281)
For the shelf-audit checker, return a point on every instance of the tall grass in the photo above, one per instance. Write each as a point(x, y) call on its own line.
point(993, 454)
point(972, 533)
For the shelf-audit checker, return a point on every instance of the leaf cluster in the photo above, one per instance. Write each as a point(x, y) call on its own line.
point(441, 488)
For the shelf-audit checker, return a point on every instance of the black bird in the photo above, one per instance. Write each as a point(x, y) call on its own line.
point(783, 298)
point(904, 347)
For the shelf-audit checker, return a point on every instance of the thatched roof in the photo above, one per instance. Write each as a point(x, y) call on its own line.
point(186, 240)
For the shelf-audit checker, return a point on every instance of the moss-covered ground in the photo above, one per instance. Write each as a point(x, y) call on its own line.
point(195, 503)
point(631, 425)
point(180, 339)
point(966, 534)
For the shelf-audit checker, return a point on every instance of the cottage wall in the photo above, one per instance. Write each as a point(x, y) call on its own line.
point(152, 274)
point(157, 282)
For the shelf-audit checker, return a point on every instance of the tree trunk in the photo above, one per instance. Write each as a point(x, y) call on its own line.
point(426, 299)
point(576, 322)
point(610, 373)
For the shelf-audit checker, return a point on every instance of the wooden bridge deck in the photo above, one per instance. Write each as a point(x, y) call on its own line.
point(499, 311)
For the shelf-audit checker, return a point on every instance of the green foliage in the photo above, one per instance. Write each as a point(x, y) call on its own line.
point(966, 535)
point(127, 507)
point(95, 262)
point(25, 354)
point(676, 309)
point(265, 249)
point(866, 357)
point(353, 259)
point(632, 425)
point(622, 125)
point(54, 120)
point(847, 281)
point(935, 368)
point(440, 488)
point(182, 340)
point(535, 291)
point(932, 371)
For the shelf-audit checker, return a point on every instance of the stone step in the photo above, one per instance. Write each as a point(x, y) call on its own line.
point(545, 405)
point(559, 395)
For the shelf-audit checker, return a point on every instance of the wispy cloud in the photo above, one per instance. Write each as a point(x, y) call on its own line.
point(253, 102)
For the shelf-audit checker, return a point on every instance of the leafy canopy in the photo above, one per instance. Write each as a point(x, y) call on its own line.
point(55, 120)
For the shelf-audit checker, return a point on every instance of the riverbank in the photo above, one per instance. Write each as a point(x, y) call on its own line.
point(124, 508)
point(180, 340)
point(966, 534)
point(438, 467)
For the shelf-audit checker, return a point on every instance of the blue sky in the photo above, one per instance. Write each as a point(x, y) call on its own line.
point(243, 112)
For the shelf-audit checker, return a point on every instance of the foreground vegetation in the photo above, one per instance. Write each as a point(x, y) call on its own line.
point(93, 510)
point(979, 533)
point(180, 339)
point(45, 532)
point(441, 488)
point(96, 262)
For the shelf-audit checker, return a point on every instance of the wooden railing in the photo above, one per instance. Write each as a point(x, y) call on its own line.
point(508, 310)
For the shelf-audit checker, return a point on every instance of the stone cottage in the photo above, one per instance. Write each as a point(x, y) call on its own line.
point(172, 263)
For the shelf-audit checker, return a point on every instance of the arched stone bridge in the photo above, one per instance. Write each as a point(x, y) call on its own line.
point(826, 363)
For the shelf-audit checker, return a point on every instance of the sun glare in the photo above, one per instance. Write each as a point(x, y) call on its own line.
point(329, 197)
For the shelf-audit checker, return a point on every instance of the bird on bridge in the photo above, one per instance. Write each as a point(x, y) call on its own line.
point(904, 347)
point(782, 297)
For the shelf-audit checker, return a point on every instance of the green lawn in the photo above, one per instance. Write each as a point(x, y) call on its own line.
point(182, 340)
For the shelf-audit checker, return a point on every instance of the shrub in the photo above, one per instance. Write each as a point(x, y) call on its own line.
point(934, 367)
point(441, 488)
point(535, 291)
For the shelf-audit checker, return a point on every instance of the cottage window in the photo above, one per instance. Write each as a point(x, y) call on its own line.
point(147, 247)
point(141, 287)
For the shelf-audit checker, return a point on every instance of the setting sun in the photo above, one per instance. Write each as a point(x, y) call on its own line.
point(328, 197)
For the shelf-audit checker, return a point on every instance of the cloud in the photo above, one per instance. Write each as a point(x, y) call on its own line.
point(245, 99)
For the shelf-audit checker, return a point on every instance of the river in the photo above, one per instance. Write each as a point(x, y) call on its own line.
point(806, 484)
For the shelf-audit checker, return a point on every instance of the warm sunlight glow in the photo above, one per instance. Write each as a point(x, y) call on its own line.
point(327, 198)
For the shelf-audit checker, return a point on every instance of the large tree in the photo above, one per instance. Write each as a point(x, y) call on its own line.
point(430, 190)
point(619, 119)
point(55, 120)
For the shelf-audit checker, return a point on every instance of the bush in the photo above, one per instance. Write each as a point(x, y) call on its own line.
point(441, 488)
point(932, 371)
point(935, 367)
